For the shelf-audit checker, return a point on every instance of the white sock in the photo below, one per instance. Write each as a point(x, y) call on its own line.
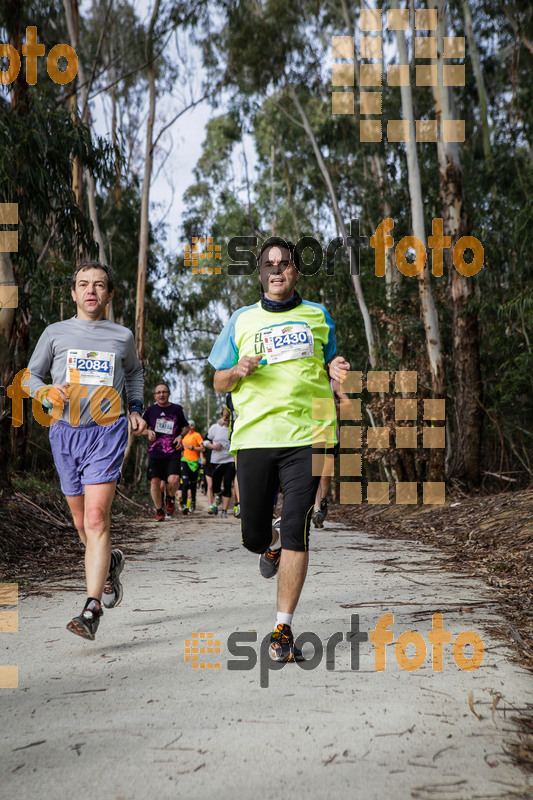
point(276, 546)
point(283, 619)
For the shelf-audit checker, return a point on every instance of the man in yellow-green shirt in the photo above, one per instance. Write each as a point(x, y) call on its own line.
point(276, 357)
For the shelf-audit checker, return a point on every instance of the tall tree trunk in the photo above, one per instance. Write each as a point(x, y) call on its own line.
point(7, 319)
point(112, 75)
point(340, 222)
point(272, 192)
point(73, 24)
point(379, 170)
point(480, 83)
point(142, 265)
point(466, 358)
point(427, 303)
point(13, 324)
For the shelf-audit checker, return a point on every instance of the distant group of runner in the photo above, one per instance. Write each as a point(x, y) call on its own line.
point(274, 358)
point(179, 459)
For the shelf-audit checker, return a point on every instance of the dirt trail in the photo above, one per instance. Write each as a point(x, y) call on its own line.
point(127, 717)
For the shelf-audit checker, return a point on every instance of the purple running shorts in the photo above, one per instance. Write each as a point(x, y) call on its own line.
point(88, 454)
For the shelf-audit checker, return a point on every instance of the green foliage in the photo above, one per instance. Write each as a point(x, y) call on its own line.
point(265, 48)
point(38, 145)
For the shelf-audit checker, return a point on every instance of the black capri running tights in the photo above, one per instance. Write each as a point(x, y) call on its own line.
point(188, 477)
point(223, 474)
point(261, 472)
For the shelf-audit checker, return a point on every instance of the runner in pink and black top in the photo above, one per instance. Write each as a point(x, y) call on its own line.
point(165, 422)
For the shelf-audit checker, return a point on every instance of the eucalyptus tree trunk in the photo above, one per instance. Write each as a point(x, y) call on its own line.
point(427, 303)
point(465, 336)
point(73, 24)
point(72, 17)
point(340, 222)
point(14, 324)
point(7, 315)
point(392, 275)
point(7, 319)
point(142, 264)
point(480, 83)
point(272, 192)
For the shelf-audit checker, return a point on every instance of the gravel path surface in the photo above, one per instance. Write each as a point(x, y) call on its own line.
point(126, 717)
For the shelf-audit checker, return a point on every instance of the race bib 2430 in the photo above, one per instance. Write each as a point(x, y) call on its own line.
point(287, 342)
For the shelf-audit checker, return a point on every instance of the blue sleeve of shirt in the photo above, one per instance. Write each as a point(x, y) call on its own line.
point(225, 353)
point(331, 347)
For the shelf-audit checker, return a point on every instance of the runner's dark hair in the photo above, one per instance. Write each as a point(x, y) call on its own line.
point(94, 265)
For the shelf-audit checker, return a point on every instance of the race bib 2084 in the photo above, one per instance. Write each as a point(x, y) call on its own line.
point(95, 366)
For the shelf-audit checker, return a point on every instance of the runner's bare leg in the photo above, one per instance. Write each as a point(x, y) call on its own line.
point(97, 524)
point(291, 576)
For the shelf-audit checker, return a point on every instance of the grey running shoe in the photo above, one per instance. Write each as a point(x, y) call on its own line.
point(320, 514)
point(318, 519)
point(223, 514)
point(87, 623)
point(113, 591)
point(269, 562)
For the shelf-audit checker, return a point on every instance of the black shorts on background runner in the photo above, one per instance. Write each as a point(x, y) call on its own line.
point(163, 467)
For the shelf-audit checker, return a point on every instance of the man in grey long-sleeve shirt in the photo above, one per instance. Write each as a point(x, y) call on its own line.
point(90, 360)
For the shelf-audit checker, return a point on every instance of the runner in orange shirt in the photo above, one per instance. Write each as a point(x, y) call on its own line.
point(193, 445)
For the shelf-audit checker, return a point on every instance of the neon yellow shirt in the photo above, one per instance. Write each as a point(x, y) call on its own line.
point(274, 405)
